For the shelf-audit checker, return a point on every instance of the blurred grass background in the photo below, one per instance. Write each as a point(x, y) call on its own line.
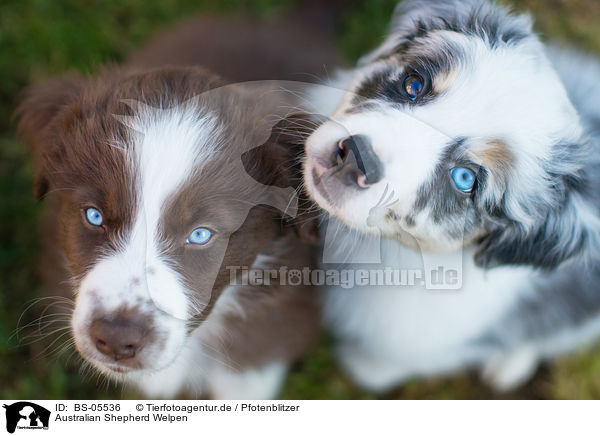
point(40, 38)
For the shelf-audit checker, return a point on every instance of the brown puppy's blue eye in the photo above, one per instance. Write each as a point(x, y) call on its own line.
point(200, 236)
point(413, 85)
point(93, 216)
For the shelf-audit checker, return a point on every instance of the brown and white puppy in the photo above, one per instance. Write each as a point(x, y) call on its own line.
point(161, 185)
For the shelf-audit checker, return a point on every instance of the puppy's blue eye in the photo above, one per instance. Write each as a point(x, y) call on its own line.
point(200, 236)
point(93, 216)
point(413, 85)
point(464, 178)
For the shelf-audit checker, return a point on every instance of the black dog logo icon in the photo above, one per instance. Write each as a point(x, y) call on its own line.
point(26, 415)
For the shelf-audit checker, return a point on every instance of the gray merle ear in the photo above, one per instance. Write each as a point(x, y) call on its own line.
point(561, 235)
point(415, 19)
point(409, 22)
point(42, 105)
point(278, 162)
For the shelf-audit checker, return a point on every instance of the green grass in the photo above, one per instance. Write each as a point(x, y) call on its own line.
point(39, 38)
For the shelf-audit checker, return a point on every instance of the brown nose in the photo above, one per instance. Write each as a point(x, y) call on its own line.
point(119, 339)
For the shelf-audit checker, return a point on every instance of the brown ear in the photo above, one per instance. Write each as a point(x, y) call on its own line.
point(42, 104)
point(278, 162)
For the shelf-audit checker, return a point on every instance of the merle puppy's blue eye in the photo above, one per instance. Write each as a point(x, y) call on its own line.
point(200, 236)
point(463, 178)
point(94, 217)
point(413, 85)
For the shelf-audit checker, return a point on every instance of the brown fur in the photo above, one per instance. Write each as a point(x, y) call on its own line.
point(70, 126)
point(297, 48)
point(496, 156)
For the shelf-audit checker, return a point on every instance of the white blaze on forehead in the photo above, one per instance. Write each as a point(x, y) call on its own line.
point(169, 146)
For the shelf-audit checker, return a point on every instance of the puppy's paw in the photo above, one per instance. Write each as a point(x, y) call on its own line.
point(508, 371)
point(370, 372)
point(251, 384)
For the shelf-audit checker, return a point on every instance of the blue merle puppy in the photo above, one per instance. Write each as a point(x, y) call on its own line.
point(488, 142)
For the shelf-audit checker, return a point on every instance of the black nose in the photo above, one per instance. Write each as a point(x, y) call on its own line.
point(358, 164)
point(119, 339)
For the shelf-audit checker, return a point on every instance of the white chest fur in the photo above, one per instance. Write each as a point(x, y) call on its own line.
point(420, 329)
